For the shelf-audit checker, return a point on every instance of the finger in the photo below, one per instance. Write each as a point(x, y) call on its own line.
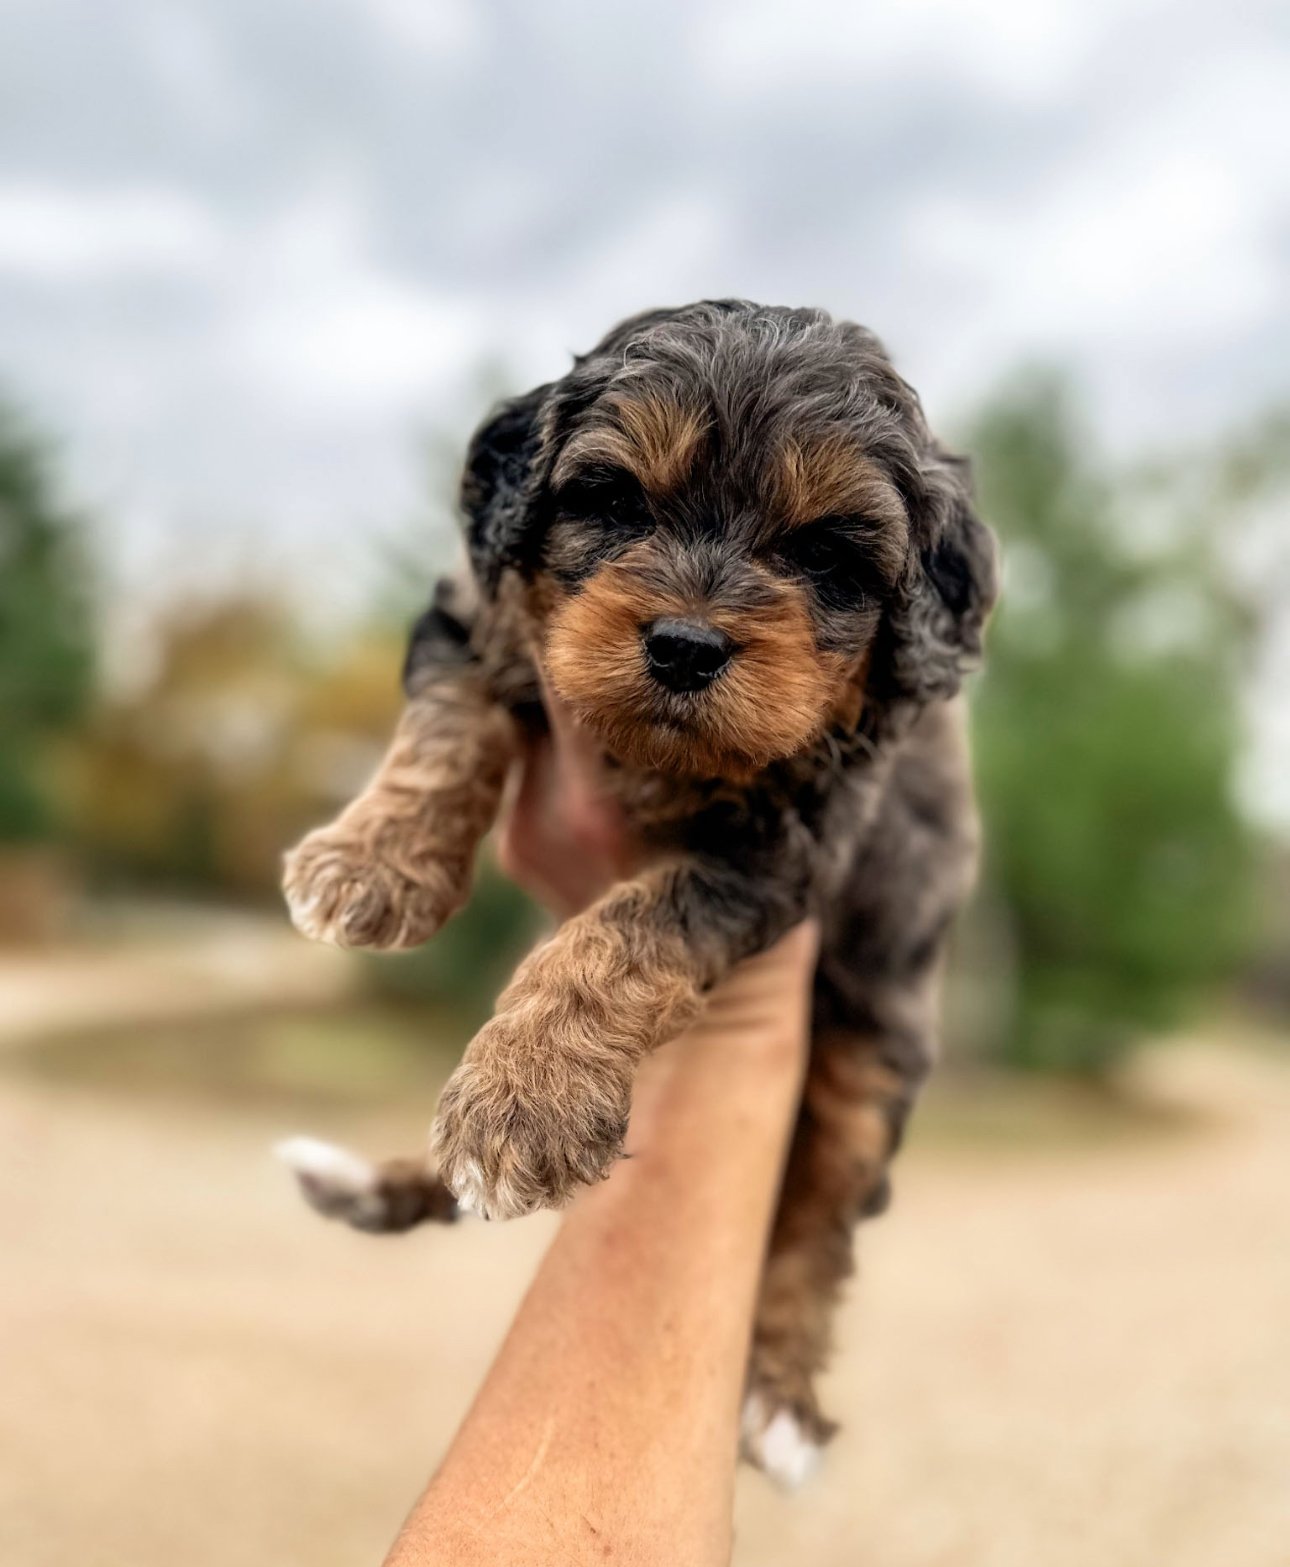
point(544, 849)
point(594, 822)
point(533, 847)
point(573, 740)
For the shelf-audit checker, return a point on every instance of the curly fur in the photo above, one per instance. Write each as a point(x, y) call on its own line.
point(521, 1125)
point(397, 862)
point(767, 473)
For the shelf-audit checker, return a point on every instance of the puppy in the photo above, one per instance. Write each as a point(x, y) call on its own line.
point(729, 542)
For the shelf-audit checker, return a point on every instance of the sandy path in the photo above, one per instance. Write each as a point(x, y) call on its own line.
point(210, 965)
point(1058, 1358)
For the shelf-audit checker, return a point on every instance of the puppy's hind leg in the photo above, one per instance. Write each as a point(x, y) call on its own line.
point(858, 1092)
point(383, 1198)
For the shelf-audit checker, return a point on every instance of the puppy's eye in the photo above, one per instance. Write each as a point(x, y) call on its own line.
point(611, 497)
point(834, 559)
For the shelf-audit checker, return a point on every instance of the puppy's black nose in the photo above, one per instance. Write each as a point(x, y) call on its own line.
point(686, 655)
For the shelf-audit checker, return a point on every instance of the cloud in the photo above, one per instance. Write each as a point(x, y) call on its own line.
point(59, 235)
point(242, 262)
point(185, 54)
point(316, 323)
point(1027, 52)
point(444, 29)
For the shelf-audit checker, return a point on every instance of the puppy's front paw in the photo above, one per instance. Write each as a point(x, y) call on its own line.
point(508, 1144)
point(343, 887)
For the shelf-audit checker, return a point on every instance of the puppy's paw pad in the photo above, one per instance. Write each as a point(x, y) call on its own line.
point(336, 1182)
point(778, 1442)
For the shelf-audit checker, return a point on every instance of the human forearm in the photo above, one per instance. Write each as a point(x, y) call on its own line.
point(609, 1419)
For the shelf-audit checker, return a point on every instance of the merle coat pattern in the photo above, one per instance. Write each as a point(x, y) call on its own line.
point(729, 542)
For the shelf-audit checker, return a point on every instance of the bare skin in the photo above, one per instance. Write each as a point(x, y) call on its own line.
point(607, 1427)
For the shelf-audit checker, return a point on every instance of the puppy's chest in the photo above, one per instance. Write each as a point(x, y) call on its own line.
point(665, 813)
point(809, 807)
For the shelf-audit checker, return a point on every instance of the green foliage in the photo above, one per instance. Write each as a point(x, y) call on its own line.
point(46, 634)
point(1107, 731)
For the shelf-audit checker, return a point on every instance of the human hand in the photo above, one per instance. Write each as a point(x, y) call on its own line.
point(562, 837)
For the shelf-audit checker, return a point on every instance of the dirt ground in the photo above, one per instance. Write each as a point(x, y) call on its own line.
point(1062, 1354)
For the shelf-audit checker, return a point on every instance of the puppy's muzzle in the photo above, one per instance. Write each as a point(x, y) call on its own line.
point(685, 655)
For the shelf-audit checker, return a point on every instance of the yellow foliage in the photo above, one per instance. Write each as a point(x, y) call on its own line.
point(238, 740)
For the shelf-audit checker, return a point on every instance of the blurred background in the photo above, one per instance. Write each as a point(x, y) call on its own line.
point(262, 267)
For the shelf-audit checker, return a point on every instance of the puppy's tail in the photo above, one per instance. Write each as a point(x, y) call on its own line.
point(380, 1198)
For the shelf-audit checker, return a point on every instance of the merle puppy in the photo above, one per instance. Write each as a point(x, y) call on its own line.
point(729, 542)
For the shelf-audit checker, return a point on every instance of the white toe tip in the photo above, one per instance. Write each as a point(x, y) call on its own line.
point(337, 1168)
point(778, 1445)
point(469, 1190)
point(305, 917)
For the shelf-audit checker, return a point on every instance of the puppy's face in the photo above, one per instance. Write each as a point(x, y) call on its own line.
point(738, 530)
point(710, 598)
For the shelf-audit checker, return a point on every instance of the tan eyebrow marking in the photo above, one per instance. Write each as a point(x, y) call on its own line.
point(830, 478)
point(833, 478)
point(652, 437)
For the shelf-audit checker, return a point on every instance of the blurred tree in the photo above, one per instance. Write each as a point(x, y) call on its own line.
point(1107, 731)
point(200, 776)
point(46, 631)
point(241, 739)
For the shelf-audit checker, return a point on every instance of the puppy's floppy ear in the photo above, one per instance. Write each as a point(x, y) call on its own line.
point(500, 485)
point(950, 585)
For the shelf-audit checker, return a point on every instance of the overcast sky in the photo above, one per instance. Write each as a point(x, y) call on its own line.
point(249, 249)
